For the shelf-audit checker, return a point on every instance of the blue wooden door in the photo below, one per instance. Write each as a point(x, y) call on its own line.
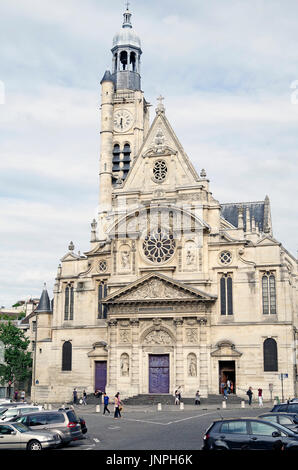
point(100, 375)
point(159, 373)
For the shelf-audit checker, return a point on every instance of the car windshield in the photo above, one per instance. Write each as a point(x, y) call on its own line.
point(2, 410)
point(21, 427)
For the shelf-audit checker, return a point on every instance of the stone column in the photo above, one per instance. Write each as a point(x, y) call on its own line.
point(179, 366)
point(203, 359)
point(112, 358)
point(135, 367)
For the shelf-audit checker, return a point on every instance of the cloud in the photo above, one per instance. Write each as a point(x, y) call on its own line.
point(226, 70)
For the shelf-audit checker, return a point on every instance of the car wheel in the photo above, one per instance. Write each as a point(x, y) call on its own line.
point(34, 445)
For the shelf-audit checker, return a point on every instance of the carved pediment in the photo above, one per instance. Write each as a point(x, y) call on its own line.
point(156, 287)
point(226, 349)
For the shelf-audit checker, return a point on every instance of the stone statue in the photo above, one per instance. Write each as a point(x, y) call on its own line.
point(192, 366)
point(124, 365)
point(125, 259)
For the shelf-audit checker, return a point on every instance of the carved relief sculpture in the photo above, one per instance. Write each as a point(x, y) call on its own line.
point(158, 337)
point(192, 335)
point(125, 336)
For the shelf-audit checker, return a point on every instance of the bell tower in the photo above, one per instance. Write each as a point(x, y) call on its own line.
point(124, 117)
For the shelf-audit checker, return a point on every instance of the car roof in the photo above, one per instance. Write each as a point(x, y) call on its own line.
point(41, 411)
point(276, 413)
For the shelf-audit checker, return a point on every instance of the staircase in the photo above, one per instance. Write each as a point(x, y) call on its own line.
point(170, 400)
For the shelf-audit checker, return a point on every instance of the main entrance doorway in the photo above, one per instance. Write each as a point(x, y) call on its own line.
point(227, 372)
point(159, 368)
point(100, 375)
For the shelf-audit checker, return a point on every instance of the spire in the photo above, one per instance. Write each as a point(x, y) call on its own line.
point(44, 302)
point(127, 17)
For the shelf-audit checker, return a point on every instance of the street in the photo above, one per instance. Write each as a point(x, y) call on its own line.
point(149, 429)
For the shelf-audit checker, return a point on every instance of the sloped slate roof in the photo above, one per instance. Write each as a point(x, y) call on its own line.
point(44, 303)
point(256, 209)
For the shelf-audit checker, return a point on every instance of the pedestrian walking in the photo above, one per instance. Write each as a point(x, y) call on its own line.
point(250, 394)
point(118, 408)
point(177, 396)
point(84, 397)
point(105, 403)
point(222, 387)
point(225, 390)
point(16, 394)
point(197, 398)
point(260, 397)
point(228, 386)
point(23, 395)
point(75, 396)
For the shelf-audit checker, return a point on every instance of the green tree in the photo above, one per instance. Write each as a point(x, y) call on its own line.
point(17, 364)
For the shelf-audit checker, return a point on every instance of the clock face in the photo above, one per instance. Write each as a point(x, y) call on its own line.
point(122, 120)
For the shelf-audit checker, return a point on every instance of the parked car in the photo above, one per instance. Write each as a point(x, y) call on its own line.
point(19, 436)
point(82, 421)
point(14, 411)
point(248, 434)
point(289, 420)
point(290, 407)
point(294, 400)
point(66, 423)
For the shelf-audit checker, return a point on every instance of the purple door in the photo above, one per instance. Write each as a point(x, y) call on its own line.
point(100, 375)
point(159, 373)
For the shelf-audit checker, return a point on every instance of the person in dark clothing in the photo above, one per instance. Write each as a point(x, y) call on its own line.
point(105, 403)
point(249, 393)
point(198, 398)
point(75, 396)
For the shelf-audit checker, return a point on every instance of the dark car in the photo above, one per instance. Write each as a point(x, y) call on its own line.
point(290, 407)
point(65, 423)
point(249, 434)
point(289, 420)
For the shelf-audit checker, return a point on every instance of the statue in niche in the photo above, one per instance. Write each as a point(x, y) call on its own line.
point(125, 259)
point(192, 366)
point(124, 365)
point(190, 257)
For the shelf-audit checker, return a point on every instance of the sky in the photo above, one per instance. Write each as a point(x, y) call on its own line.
point(228, 71)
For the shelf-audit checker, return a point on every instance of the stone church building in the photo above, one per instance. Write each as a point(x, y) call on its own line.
point(177, 288)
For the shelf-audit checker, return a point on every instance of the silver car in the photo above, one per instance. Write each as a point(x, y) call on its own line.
point(19, 436)
point(14, 411)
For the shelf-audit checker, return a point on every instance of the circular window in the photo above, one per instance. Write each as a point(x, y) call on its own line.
point(225, 257)
point(102, 266)
point(159, 246)
point(160, 170)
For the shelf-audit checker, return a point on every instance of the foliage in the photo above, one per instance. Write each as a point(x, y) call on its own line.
point(17, 360)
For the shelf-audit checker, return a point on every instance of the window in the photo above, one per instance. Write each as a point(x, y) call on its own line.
point(285, 420)
point(270, 355)
point(159, 246)
point(272, 419)
point(268, 294)
point(55, 418)
point(37, 420)
point(160, 170)
point(263, 429)
point(6, 430)
point(69, 301)
point(226, 295)
point(102, 293)
point(225, 257)
point(67, 356)
point(234, 427)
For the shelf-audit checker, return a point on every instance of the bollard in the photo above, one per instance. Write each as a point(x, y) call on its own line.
point(181, 406)
point(97, 408)
point(49, 406)
point(243, 404)
point(224, 404)
point(159, 407)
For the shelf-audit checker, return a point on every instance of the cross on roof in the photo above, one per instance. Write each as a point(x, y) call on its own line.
point(160, 99)
point(127, 5)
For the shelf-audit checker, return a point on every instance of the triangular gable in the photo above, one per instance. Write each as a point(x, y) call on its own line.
point(70, 257)
point(157, 287)
point(268, 241)
point(161, 141)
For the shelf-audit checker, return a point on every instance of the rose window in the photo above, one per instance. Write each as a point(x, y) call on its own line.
point(160, 170)
point(159, 246)
point(225, 257)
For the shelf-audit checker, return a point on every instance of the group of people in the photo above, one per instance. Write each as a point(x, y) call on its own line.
point(17, 393)
point(227, 388)
point(82, 400)
point(249, 393)
point(106, 400)
point(178, 397)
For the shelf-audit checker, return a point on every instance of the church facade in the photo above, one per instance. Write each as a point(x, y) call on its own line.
point(177, 288)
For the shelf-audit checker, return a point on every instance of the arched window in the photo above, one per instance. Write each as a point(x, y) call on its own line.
point(268, 294)
point(123, 60)
point(66, 355)
point(102, 293)
point(226, 295)
point(270, 355)
point(69, 303)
